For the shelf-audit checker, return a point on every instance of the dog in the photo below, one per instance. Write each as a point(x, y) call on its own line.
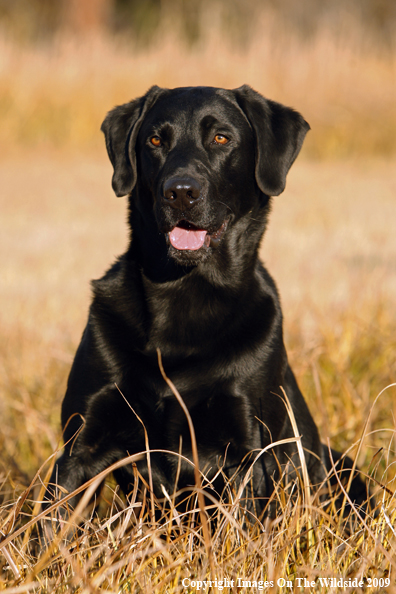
point(200, 166)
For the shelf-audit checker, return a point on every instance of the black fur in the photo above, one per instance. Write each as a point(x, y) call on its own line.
point(213, 312)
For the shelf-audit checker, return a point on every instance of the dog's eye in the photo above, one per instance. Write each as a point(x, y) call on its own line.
point(155, 140)
point(220, 139)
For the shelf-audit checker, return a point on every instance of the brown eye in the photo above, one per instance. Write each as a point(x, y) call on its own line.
point(220, 139)
point(155, 140)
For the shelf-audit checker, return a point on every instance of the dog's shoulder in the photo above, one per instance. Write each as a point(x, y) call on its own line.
point(113, 280)
point(118, 303)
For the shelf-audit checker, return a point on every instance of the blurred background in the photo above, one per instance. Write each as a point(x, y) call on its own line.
point(331, 243)
point(64, 63)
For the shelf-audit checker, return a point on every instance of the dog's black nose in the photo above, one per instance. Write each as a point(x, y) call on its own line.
point(182, 192)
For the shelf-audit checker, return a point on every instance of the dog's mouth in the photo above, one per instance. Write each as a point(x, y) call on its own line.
point(186, 236)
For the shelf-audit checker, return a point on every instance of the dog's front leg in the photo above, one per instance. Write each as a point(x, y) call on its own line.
point(76, 467)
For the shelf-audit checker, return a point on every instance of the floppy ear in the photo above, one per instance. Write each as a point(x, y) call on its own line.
point(280, 132)
point(121, 127)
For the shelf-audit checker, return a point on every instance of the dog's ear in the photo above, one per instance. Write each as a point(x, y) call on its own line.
point(280, 132)
point(121, 127)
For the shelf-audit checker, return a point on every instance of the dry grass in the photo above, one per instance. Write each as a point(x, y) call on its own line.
point(125, 551)
point(57, 94)
point(330, 246)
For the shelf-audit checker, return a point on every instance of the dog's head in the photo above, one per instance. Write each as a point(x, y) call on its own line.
point(198, 160)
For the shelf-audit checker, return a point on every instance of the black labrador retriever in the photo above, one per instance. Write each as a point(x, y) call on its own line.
point(199, 166)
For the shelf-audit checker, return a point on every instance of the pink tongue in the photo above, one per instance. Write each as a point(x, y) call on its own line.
point(187, 239)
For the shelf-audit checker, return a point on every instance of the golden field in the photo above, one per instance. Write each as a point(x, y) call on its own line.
point(331, 246)
point(56, 94)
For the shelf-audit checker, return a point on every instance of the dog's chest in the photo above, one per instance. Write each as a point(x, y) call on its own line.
point(188, 314)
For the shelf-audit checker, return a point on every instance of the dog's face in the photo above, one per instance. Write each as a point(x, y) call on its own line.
point(201, 161)
point(195, 163)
